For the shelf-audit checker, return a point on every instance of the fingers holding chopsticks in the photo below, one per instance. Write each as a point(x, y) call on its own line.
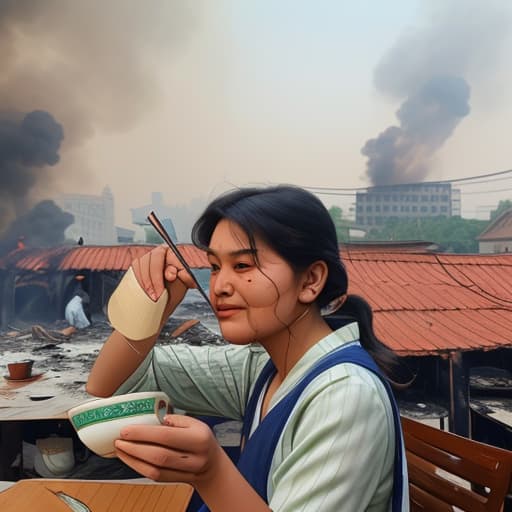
point(157, 269)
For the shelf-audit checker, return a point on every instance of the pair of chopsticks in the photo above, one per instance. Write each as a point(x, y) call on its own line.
point(155, 222)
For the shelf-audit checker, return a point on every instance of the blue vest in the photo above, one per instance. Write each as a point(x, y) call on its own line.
point(256, 457)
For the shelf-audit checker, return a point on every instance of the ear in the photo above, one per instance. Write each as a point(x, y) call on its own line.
point(313, 282)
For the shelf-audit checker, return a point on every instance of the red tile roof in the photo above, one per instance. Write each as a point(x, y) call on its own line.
point(424, 303)
point(430, 303)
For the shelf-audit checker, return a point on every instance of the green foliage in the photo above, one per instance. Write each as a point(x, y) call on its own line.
point(502, 206)
point(452, 234)
point(152, 237)
point(342, 225)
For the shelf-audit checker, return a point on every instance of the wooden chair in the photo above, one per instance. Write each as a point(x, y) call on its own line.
point(447, 471)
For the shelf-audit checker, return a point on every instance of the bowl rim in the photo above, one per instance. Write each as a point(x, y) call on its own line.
point(96, 403)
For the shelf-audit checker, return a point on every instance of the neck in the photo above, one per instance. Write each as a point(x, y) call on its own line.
point(288, 346)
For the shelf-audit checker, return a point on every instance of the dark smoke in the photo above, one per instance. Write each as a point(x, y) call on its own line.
point(427, 119)
point(42, 226)
point(26, 146)
point(429, 71)
point(94, 66)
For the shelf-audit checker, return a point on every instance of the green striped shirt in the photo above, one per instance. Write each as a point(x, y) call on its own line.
point(336, 452)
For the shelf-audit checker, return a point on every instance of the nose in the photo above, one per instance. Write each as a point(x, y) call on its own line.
point(221, 284)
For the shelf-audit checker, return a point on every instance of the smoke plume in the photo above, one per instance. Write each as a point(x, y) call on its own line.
point(42, 226)
point(26, 146)
point(91, 66)
point(430, 70)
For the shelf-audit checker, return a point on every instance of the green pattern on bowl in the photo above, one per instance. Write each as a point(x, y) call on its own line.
point(114, 412)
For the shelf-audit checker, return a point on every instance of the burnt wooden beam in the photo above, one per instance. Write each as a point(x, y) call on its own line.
point(7, 284)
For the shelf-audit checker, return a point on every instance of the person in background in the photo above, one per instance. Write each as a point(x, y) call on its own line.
point(303, 369)
point(77, 311)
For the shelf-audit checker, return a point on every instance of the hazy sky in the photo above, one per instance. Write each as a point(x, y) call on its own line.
point(192, 97)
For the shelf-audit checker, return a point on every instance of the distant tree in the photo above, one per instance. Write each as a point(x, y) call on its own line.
point(502, 206)
point(151, 236)
point(452, 234)
point(342, 224)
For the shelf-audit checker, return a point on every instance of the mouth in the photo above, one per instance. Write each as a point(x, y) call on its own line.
point(227, 311)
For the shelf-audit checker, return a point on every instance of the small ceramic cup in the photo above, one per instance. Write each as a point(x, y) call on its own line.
point(20, 370)
point(98, 422)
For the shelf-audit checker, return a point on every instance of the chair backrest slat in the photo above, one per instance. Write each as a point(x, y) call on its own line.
point(422, 501)
point(447, 470)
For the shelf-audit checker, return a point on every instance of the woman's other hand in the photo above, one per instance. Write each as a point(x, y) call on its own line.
point(183, 449)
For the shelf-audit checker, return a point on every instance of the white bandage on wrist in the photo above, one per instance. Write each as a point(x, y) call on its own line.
point(132, 312)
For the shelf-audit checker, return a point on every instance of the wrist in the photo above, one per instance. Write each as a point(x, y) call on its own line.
point(132, 312)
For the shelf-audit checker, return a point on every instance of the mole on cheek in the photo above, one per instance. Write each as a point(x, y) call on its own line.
point(249, 280)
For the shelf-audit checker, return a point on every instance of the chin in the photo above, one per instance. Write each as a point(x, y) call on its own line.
point(237, 338)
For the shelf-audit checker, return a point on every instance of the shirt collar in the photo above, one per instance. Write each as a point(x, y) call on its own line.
point(346, 334)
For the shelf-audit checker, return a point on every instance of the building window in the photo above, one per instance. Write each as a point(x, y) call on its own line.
point(369, 208)
point(414, 209)
point(424, 209)
point(444, 209)
point(433, 209)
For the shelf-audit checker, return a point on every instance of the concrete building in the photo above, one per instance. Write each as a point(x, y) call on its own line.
point(379, 204)
point(94, 217)
point(164, 213)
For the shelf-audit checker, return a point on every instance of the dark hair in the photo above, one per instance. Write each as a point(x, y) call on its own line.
point(296, 224)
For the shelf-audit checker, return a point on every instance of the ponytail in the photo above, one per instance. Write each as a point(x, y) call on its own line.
point(356, 309)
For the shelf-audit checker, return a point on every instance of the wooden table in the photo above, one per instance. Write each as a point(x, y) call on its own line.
point(43, 495)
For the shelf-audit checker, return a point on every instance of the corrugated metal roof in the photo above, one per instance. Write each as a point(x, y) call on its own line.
point(430, 303)
point(424, 303)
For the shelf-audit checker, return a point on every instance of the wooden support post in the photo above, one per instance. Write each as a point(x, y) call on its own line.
point(459, 418)
point(7, 292)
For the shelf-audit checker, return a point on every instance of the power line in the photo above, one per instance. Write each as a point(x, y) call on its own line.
point(487, 191)
point(455, 180)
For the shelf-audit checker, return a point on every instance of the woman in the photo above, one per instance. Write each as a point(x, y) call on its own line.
point(320, 429)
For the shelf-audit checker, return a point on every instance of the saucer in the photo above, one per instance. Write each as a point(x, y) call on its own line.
point(29, 379)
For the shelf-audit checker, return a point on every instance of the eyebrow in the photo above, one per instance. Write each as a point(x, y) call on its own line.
point(239, 252)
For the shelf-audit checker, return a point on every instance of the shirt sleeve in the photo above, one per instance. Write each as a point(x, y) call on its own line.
point(205, 380)
point(338, 452)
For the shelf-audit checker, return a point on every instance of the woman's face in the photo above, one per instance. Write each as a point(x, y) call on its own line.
point(254, 302)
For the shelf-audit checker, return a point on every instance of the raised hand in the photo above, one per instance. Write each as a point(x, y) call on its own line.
point(159, 269)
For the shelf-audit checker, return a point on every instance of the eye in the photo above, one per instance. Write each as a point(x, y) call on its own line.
point(242, 266)
point(214, 267)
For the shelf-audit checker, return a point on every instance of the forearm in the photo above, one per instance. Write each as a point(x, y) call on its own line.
point(228, 491)
point(117, 360)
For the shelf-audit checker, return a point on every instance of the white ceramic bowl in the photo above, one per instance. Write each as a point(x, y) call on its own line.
point(98, 422)
point(54, 457)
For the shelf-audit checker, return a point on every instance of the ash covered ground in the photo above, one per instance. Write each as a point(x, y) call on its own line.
point(66, 360)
